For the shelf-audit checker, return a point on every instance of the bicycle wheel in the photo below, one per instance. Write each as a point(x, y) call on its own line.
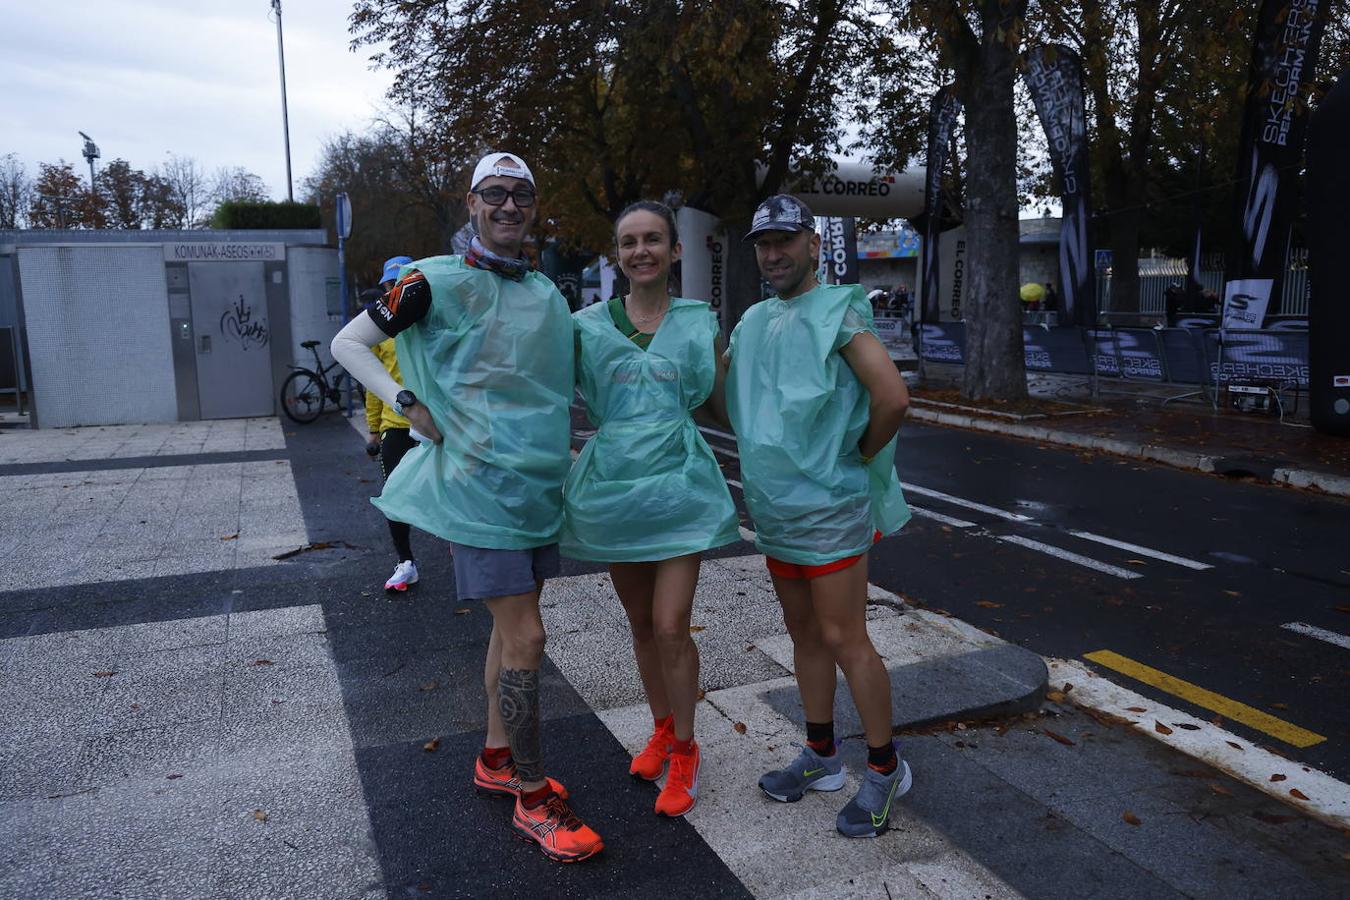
point(302, 396)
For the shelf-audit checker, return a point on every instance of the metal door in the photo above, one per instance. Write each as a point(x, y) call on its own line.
point(231, 337)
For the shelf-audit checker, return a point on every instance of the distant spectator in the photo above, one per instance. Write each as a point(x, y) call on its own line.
point(1051, 300)
point(1172, 301)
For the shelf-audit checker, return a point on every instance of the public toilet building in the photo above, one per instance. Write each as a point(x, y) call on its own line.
point(121, 327)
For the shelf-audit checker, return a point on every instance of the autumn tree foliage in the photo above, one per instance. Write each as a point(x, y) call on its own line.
point(613, 102)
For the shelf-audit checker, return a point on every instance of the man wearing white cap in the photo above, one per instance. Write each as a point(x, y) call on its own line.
point(485, 349)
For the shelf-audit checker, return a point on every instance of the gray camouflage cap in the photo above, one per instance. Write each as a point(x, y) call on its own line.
point(781, 212)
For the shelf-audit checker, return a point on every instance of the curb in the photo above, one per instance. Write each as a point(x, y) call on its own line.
point(1307, 479)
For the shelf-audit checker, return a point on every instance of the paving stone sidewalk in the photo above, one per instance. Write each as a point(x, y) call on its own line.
point(280, 727)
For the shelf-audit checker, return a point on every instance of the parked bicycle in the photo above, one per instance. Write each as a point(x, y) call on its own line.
point(305, 391)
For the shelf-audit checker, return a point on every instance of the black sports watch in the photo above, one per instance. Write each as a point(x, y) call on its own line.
point(404, 399)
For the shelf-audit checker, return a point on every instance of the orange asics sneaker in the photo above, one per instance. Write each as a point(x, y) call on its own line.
point(651, 762)
point(557, 830)
point(504, 782)
point(681, 790)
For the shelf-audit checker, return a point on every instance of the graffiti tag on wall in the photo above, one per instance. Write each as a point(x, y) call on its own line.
point(237, 324)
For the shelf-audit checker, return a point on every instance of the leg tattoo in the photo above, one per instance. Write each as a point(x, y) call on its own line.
point(518, 700)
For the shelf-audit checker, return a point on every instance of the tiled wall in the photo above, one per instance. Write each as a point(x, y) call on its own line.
point(98, 335)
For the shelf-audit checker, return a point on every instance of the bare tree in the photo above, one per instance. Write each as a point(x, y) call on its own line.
point(188, 187)
point(237, 184)
point(15, 190)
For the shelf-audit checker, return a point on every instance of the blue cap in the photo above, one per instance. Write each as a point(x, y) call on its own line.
point(392, 266)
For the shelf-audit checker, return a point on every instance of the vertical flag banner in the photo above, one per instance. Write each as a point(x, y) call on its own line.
point(1328, 236)
point(1054, 75)
point(942, 118)
point(1284, 59)
point(839, 247)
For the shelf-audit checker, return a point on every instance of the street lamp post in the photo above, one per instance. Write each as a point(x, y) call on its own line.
point(285, 121)
point(90, 154)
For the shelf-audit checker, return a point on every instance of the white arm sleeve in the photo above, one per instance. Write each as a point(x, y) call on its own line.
point(351, 348)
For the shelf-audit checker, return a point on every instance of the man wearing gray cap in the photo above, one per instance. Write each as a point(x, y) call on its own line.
point(485, 348)
point(816, 403)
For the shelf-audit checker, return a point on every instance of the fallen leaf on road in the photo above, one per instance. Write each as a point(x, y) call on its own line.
point(1279, 706)
point(1058, 737)
point(1217, 720)
point(1233, 593)
point(1136, 562)
point(1130, 818)
point(1192, 773)
point(739, 728)
point(1234, 746)
point(135, 706)
point(173, 776)
point(1297, 794)
point(1135, 709)
point(432, 745)
point(1067, 687)
point(988, 604)
point(695, 629)
point(230, 537)
point(430, 686)
point(749, 647)
point(1344, 607)
point(1160, 727)
point(1274, 820)
point(1055, 696)
point(259, 815)
point(261, 662)
point(463, 611)
point(104, 674)
point(1278, 777)
point(1220, 789)
point(1187, 725)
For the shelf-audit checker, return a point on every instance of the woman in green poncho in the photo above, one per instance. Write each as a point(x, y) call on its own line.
point(646, 494)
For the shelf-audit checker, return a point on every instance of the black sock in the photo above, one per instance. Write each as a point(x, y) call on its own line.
point(883, 758)
point(820, 737)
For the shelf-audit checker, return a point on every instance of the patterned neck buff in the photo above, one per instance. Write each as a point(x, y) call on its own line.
point(481, 257)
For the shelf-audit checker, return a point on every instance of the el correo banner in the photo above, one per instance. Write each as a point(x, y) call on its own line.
point(703, 274)
point(224, 251)
point(839, 246)
point(1055, 76)
point(942, 117)
point(856, 189)
point(1284, 58)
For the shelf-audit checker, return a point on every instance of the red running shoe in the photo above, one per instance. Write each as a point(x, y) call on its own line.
point(557, 830)
point(651, 762)
point(504, 782)
point(681, 790)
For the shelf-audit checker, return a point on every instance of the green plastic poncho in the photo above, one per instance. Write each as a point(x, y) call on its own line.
point(646, 486)
point(492, 361)
point(799, 412)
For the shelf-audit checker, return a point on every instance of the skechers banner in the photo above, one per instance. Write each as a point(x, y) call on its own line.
point(1055, 76)
point(1284, 58)
point(942, 116)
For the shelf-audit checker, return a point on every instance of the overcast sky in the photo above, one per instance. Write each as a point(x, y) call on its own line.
point(195, 78)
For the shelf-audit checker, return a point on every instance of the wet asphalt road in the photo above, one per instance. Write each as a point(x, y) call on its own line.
point(1041, 567)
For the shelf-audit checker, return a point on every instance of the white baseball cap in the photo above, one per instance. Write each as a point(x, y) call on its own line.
point(501, 164)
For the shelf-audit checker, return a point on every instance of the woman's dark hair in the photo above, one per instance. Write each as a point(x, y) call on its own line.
point(651, 206)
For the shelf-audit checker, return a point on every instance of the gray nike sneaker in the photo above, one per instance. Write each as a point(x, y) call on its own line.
point(808, 772)
point(869, 812)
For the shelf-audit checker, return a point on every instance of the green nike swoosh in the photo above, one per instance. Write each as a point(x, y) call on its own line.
point(880, 820)
point(811, 772)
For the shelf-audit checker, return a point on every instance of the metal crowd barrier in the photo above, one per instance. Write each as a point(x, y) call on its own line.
point(1209, 359)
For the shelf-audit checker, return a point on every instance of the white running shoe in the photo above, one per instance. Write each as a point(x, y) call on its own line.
point(404, 574)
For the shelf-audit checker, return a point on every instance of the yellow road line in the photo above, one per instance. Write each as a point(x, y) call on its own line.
point(1229, 709)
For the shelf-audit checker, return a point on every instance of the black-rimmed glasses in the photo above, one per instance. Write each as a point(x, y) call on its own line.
point(496, 196)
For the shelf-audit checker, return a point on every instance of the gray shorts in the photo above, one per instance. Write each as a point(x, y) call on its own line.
point(481, 573)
